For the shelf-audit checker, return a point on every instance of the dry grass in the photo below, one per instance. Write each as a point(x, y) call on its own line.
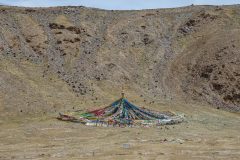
point(207, 134)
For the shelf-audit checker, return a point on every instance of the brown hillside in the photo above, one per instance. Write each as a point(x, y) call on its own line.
point(60, 58)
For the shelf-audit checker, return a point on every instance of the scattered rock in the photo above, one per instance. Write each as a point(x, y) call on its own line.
point(56, 26)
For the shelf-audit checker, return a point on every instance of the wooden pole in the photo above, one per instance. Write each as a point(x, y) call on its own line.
point(123, 96)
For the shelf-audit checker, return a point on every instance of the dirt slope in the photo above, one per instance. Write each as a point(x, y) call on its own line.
point(66, 57)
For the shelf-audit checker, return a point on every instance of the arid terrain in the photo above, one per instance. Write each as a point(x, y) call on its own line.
point(184, 60)
point(206, 135)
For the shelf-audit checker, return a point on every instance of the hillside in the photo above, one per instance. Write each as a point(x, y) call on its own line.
point(54, 59)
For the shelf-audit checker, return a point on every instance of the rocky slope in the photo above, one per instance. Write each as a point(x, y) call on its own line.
point(66, 57)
